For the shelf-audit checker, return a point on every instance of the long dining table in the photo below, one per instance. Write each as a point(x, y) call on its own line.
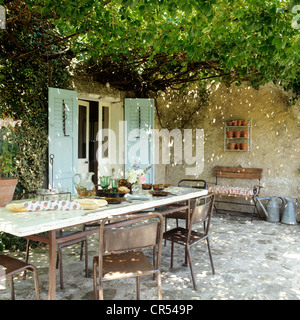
point(32, 224)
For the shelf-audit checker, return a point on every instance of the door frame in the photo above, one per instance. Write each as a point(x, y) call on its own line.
point(105, 102)
point(81, 161)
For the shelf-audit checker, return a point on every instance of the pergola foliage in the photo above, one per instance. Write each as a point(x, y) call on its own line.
point(146, 46)
point(150, 45)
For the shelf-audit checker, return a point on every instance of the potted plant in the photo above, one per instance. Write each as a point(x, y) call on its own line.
point(8, 152)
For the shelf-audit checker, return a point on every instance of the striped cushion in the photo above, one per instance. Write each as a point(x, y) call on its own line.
point(228, 190)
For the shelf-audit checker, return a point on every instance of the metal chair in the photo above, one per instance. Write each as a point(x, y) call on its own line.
point(63, 235)
point(192, 183)
point(188, 237)
point(120, 254)
point(64, 242)
point(10, 266)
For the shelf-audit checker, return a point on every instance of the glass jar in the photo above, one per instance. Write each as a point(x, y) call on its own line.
point(85, 187)
point(136, 189)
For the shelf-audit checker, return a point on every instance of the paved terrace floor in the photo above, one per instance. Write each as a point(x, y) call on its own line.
point(253, 261)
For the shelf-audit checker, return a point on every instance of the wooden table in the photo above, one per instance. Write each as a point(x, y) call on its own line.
point(30, 224)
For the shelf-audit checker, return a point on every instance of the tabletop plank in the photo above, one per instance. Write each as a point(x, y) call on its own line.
point(27, 223)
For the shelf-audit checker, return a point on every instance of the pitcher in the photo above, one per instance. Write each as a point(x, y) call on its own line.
point(289, 214)
point(85, 186)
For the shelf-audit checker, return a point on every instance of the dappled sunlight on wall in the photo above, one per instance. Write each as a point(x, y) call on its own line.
point(275, 134)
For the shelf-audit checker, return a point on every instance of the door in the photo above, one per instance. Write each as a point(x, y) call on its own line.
point(139, 135)
point(110, 139)
point(83, 136)
point(63, 137)
point(104, 139)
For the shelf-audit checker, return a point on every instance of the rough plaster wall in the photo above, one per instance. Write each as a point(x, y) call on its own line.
point(275, 138)
point(86, 85)
point(275, 133)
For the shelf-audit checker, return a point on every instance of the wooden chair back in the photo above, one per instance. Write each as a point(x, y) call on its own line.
point(237, 172)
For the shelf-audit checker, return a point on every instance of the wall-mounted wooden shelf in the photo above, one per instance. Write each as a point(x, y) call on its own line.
point(238, 137)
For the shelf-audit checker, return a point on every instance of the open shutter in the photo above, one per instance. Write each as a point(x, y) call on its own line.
point(63, 138)
point(139, 135)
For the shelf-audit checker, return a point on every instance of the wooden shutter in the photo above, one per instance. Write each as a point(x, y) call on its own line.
point(63, 138)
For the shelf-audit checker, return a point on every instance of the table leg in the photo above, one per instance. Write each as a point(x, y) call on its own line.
point(52, 268)
point(187, 223)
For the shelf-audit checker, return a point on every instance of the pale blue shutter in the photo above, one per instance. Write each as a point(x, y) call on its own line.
point(139, 135)
point(63, 137)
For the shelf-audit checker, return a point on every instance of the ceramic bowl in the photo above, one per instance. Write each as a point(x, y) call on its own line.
point(158, 187)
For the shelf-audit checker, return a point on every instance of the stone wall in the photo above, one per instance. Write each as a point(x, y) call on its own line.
point(275, 132)
point(275, 137)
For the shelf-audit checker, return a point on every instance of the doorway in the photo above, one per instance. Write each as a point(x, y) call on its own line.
point(93, 117)
point(83, 135)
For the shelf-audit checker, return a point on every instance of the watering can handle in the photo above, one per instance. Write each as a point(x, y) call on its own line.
point(282, 202)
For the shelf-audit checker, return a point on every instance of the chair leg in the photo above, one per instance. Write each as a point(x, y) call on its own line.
point(172, 251)
point(81, 251)
point(36, 283)
point(59, 253)
point(191, 267)
point(81, 248)
point(159, 285)
point(154, 260)
point(86, 259)
point(138, 288)
point(26, 257)
point(101, 296)
point(165, 229)
point(210, 256)
point(95, 279)
point(12, 288)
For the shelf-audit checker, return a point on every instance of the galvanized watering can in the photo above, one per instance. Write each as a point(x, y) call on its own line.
point(289, 213)
point(273, 209)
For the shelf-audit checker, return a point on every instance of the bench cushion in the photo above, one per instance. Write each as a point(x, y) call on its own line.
point(229, 190)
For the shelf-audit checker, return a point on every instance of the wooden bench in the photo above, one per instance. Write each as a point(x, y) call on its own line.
point(237, 191)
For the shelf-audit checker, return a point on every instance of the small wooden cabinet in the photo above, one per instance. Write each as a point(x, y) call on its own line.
point(238, 135)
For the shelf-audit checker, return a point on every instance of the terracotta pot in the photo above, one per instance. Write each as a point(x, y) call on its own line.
point(230, 123)
point(238, 146)
point(239, 122)
point(7, 189)
point(231, 145)
point(244, 146)
point(244, 122)
point(237, 134)
point(235, 122)
point(229, 134)
point(245, 134)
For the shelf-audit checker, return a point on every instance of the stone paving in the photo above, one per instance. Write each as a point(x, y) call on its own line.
point(254, 260)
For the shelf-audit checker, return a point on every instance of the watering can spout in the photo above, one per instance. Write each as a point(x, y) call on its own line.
point(262, 206)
